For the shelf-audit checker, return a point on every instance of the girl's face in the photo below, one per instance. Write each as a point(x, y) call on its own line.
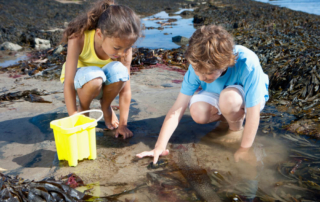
point(209, 77)
point(116, 47)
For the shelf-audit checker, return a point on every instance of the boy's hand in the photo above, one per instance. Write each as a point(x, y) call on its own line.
point(124, 131)
point(155, 153)
point(247, 155)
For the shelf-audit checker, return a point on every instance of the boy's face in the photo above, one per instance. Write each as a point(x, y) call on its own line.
point(209, 77)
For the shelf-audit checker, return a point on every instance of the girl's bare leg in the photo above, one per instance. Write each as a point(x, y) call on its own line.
point(109, 93)
point(88, 92)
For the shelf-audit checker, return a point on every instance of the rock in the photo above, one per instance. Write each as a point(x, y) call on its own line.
point(42, 44)
point(186, 13)
point(198, 19)
point(235, 26)
point(10, 46)
point(179, 39)
point(58, 50)
point(167, 85)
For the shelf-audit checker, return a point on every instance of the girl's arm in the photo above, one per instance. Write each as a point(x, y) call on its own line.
point(168, 127)
point(249, 132)
point(75, 46)
point(125, 99)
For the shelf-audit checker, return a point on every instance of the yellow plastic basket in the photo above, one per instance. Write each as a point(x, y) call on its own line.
point(75, 137)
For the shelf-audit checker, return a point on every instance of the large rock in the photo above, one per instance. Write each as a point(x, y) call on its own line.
point(42, 44)
point(180, 39)
point(10, 46)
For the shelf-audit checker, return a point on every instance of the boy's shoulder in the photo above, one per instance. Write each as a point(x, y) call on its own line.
point(244, 52)
point(246, 56)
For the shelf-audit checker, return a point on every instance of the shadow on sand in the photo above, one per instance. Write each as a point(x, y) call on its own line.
point(33, 130)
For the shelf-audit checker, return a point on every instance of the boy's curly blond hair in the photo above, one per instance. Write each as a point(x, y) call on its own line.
point(211, 48)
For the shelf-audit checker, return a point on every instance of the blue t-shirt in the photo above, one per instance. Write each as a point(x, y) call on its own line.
point(247, 72)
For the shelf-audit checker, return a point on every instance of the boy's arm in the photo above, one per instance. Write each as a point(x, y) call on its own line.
point(249, 132)
point(125, 99)
point(168, 127)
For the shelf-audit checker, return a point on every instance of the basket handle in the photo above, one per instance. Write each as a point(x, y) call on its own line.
point(84, 126)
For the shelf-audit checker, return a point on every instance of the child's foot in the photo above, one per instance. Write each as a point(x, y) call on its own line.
point(228, 138)
point(110, 119)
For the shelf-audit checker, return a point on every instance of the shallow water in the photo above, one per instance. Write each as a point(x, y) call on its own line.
point(155, 38)
point(12, 60)
point(308, 6)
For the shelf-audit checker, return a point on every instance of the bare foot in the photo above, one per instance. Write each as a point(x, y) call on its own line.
point(227, 138)
point(110, 119)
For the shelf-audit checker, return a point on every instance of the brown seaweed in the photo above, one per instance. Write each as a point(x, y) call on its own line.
point(48, 189)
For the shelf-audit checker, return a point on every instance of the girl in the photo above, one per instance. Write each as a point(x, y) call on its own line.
point(98, 61)
point(234, 87)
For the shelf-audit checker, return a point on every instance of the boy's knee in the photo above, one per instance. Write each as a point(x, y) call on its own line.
point(199, 113)
point(230, 101)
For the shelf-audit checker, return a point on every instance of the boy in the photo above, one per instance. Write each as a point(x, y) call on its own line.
point(234, 87)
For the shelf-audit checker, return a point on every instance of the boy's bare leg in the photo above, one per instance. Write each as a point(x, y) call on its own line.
point(229, 129)
point(109, 93)
point(88, 92)
point(231, 106)
point(203, 113)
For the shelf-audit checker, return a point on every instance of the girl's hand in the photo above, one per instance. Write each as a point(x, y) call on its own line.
point(124, 131)
point(155, 153)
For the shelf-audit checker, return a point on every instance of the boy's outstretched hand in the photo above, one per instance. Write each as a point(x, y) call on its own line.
point(155, 153)
point(247, 155)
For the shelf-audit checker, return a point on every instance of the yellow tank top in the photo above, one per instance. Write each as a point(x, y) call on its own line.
point(88, 56)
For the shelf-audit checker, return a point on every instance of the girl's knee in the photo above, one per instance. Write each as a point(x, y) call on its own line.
point(115, 72)
point(230, 101)
point(94, 85)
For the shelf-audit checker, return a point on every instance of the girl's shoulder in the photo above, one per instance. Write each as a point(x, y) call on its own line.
point(77, 42)
point(77, 39)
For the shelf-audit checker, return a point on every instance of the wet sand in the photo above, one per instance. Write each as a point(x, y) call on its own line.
point(28, 147)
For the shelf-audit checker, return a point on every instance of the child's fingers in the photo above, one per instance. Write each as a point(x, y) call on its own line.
point(117, 134)
point(165, 152)
point(129, 134)
point(146, 153)
point(155, 158)
point(126, 134)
